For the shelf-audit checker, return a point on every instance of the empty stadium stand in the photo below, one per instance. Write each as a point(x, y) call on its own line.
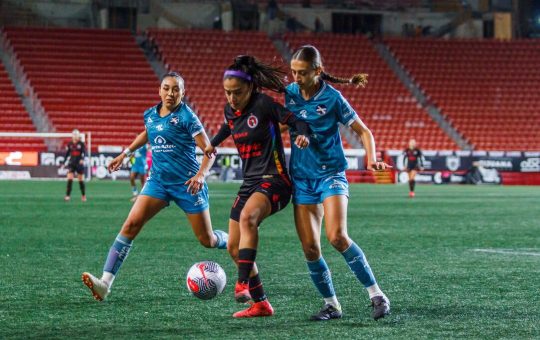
point(385, 105)
point(94, 80)
point(201, 57)
point(14, 118)
point(487, 89)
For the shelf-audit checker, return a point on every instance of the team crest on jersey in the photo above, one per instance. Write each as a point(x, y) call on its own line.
point(252, 121)
point(159, 140)
point(303, 113)
point(321, 110)
point(173, 121)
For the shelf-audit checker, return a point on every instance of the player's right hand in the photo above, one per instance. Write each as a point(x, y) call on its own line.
point(210, 151)
point(116, 163)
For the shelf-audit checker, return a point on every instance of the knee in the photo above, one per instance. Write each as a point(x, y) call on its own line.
point(131, 228)
point(248, 219)
point(339, 241)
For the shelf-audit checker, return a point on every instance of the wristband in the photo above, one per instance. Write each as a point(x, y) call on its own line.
point(127, 152)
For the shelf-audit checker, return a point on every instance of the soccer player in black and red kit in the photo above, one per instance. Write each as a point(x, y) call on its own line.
point(253, 118)
point(74, 161)
point(413, 161)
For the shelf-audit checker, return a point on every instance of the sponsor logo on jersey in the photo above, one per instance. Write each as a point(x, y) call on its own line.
point(303, 113)
point(292, 102)
point(173, 121)
point(159, 127)
point(149, 120)
point(160, 140)
point(252, 121)
point(321, 110)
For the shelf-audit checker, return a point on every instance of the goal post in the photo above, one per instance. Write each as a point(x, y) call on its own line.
point(53, 141)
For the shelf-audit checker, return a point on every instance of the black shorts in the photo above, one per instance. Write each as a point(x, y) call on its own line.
point(412, 166)
point(278, 189)
point(76, 167)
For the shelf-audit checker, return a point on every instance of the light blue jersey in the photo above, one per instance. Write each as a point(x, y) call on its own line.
point(173, 145)
point(139, 160)
point(324, 156)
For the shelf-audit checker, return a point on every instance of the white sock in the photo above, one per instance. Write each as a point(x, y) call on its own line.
point(332, 301)
point(108, 278)
point(374, 291)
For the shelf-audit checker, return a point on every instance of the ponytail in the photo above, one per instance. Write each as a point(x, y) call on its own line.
point(359, 79)
point(262, 75)
point(311, 55)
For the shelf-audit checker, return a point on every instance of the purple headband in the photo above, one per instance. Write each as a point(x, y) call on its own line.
point(237, 74)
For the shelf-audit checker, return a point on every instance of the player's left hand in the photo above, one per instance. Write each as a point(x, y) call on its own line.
point(195, 183)
point(81, 162)
point(302, 141)
point(378, 166)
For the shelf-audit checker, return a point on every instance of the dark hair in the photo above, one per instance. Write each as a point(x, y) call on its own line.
point(263, 76)
point(311, 54)
point(176, 75)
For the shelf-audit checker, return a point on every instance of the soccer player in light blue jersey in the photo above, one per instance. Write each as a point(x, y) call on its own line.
point(173, 131)
point(138, 169)
point(318, 173)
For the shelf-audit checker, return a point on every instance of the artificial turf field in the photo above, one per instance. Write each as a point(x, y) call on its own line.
point(423, 251)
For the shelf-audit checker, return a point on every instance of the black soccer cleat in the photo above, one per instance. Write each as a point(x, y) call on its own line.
point(328, 312)
point(381, 307)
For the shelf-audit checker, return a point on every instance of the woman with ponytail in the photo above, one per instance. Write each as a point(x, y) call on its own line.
point(253, 118)
point(318, 174)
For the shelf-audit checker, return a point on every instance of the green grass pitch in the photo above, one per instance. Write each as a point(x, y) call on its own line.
point(422, 252)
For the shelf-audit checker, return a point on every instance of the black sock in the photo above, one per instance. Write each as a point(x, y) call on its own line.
point(411, 184)
point(81, 186)
point(246, 259)
point(256, 289)
point(69, 185)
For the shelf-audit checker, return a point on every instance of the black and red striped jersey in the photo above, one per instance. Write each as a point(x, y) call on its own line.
point(74, 152)
point(257, 135)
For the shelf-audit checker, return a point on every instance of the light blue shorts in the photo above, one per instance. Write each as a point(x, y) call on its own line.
point(138, 170)
point(190, 204)
point(315, 191)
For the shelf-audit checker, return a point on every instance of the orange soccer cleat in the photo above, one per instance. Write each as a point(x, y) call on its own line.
point(257, 309)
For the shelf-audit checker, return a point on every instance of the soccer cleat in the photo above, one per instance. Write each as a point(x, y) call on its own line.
point(328, 312)
point(411, 194)
point(67, 198)
point(99, 289)
point(83, 198)
point(222, 238)
point(241, 292)
point(381, 307)
point(257, 309)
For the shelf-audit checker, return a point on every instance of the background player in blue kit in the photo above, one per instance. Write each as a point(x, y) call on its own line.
point(413, 160)
point(252, 118)
point(173, 131)
point(138, 169)
point(318, 173)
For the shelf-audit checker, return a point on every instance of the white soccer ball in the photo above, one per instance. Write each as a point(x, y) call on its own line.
point(206, 279)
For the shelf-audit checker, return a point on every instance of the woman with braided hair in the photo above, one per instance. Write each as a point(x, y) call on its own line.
point(318, 174)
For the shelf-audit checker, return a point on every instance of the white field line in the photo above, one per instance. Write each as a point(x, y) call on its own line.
point(506, 251)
